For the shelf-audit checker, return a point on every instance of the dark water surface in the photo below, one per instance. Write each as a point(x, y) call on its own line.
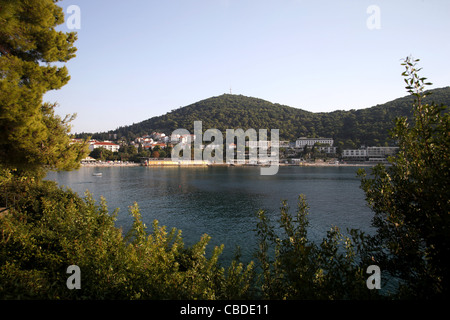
point(223, 201)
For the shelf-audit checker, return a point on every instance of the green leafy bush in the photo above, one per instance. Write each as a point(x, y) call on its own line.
point(51, 229)
point(298, 268)
point(410, 198)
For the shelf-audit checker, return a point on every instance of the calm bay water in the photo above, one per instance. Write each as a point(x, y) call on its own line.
point(223, 201)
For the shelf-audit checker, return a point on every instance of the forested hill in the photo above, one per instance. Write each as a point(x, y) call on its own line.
point(352, 128)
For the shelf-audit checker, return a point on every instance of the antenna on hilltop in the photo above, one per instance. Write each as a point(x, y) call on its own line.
point(230, 89)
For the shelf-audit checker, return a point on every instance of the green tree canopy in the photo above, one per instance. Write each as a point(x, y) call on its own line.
point(411, 198)
point(32, 136)
point(101, 154)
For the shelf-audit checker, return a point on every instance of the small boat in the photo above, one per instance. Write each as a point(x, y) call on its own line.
point(98, 174)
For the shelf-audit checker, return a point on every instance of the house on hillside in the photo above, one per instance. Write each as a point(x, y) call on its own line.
point(104, 144)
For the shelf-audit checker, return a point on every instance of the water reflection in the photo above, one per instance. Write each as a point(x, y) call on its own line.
point(223, 202)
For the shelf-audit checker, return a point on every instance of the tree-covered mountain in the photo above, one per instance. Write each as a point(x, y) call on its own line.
point(352, 128)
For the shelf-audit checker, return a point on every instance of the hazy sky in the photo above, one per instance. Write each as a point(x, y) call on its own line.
point(142, 58)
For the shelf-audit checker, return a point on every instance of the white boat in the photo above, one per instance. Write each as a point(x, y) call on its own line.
point(98, 174)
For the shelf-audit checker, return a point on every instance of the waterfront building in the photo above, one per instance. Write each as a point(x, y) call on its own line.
point(377, 153)
point(354, 154)
point(104, 144)
point(369, 153)
point(328, 149)
point(303, 141)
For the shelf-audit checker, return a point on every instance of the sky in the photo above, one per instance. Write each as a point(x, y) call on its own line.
point(138, 59)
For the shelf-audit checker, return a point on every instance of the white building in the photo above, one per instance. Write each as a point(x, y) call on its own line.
point(143, 140)
point(303, 141)
point(328, 149)
point(259, 144)
point(381, 152)
point(158, 136)
point(370, 153)
point(354, 153)
point(104, 144)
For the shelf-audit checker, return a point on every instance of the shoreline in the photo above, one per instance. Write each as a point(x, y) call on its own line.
point(114, 164)
point(303, 164)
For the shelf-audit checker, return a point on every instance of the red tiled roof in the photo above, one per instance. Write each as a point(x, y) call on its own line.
point(106, 144)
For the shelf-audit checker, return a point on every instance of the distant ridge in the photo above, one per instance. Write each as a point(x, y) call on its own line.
point(352, 128)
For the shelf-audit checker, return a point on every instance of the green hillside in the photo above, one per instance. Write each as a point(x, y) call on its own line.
point(349, 128)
